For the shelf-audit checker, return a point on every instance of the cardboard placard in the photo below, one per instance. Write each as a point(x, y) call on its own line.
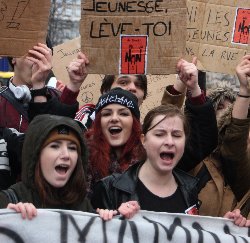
point(90, 89)
point(103, 23)
point(63, 55)
point(218, 33)
point(22, 25)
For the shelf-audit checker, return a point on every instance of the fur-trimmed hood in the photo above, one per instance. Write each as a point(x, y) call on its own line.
point(220, 93)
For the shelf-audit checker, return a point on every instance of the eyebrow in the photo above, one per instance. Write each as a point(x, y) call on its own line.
point(163, 130)
point(122, 76)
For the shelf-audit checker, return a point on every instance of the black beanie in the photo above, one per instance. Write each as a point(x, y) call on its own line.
point(121, 97)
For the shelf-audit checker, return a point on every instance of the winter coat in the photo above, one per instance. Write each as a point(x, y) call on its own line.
point(37, 133)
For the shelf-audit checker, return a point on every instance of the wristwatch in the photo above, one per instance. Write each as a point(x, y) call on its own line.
point(39, 92)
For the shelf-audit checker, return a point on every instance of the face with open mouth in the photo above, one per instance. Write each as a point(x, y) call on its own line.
point(164, 143)
point(58, 160)
point(116, 124)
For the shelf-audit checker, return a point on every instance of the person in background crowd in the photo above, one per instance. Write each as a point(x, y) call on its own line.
point(30, 71)
point(155, 183)
point(235, 151)
point(26, 92)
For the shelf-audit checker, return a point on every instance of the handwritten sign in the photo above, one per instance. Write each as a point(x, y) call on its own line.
point(241, 26)
point(133, 54)
point(22, 25)
point(90, 89)
point(218, 33)
point(63, 55)
point(103, 23)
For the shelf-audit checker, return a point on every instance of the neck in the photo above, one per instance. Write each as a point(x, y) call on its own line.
point(148, 173)
point(117, 152)
point(17, 81)
point(161, 184)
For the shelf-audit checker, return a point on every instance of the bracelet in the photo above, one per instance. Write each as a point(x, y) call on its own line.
point(243, 96)
point(39, 92)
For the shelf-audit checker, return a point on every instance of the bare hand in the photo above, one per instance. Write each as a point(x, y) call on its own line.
point(237, 218)
point(106, 214)
point(129, 209)
point(188, 74)
point(243, 73)
point(26, 209)
point(41, 56)
point(77, 71)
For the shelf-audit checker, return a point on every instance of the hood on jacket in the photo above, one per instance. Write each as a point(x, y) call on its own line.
point(37, 133)
point(217, 95)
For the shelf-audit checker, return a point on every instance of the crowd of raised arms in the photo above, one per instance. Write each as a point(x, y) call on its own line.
point(189, 155)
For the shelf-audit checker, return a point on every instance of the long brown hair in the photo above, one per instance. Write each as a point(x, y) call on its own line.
point(100, 149)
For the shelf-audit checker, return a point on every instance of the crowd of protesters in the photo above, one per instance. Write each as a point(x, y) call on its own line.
point(190, 157)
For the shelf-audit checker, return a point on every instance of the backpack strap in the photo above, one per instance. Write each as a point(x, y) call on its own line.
point(11, 195)
point(204, 176)
point(20, 107)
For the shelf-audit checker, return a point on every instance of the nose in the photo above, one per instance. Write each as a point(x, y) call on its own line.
point(132, 87)
point(65, 152)
point(114, 117)
point(169, 140)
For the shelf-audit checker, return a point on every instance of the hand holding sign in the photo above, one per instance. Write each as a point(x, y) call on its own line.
point(77, 71)
point(188, 74)
point(243, 73)
point(41, 56)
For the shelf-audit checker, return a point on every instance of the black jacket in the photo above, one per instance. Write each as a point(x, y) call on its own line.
point(115, 189)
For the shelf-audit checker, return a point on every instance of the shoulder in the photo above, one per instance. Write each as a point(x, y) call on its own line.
point(4, 90)
point(185, 179)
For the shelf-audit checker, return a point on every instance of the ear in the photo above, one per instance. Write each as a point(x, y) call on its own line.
point(13, 61)
point(142, 139)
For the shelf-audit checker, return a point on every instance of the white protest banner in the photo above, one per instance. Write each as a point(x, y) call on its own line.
point(131, 37)
point(62, 226)
point(218, 33)
point(22, 25)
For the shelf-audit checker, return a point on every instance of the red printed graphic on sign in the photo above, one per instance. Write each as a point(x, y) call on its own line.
point(133, 55)
point(242, 26)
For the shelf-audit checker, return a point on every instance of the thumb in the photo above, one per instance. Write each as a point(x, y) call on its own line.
point(194, 61)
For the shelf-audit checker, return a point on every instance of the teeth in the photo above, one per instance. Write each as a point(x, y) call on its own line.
point(113, 130)
point(64, 166)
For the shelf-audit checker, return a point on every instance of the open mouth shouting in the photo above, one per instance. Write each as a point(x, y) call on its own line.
point(167, 156)
point(62, 169)
point(115, 130)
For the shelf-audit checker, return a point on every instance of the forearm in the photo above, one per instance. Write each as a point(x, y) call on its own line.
point(203, 137)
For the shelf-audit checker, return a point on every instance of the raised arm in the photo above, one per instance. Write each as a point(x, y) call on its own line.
point(235, 150)
point(201, 115)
